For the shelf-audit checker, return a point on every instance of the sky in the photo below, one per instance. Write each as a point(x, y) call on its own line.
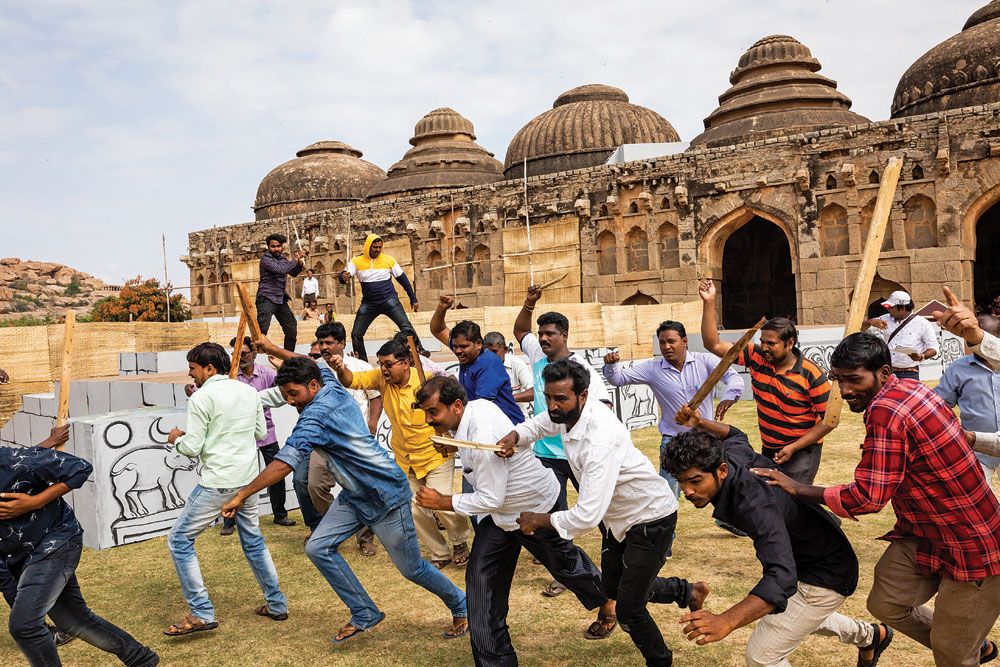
point(121, 121)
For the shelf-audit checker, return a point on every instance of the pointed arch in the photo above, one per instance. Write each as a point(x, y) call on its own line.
point(484, 272)
point(921, 222)
point(866, 223)
point(436, 277)
point(640, 299)
point(668, 238)
point(637, 250)
point(461, 272)
point(607, 247)
point(834, 237)
point(713, 239)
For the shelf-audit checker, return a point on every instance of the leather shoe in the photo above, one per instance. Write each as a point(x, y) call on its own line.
point(227, 530)
point(285, 521)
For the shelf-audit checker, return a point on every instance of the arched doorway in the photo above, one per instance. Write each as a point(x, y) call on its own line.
point(986, 270)
point(640, 299)
point(757, 276)
point(881, 290)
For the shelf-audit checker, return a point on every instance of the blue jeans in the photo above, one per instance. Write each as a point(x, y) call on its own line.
point(399, 537)
point(200, 512)
point(49, 586)
point(674, 485)
point(300, 482)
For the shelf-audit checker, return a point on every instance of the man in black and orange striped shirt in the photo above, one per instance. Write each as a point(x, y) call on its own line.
point(791, 392)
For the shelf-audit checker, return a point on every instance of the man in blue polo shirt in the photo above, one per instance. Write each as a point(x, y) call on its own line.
point(481, 372)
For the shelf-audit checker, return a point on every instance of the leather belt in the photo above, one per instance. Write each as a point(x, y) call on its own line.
point(912, 368)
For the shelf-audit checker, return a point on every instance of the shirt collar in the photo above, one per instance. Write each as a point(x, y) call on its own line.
point(890, 383)
point(688, 359)
point(582, 425)
point(217, 376)
point(253, 373)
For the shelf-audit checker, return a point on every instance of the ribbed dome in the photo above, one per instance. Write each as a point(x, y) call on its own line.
point(963, 70)
point(324, 175)
point(583, 127)
point(444, 155)
point(776, 91)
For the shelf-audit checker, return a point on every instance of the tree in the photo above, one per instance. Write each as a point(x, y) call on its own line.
point(74, 287)
point(144, 300)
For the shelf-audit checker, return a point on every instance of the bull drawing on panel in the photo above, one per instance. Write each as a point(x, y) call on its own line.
point(148, 469)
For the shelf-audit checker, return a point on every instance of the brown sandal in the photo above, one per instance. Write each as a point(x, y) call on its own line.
point(599, 629)
point(460, 556)
point(367, 548)
point(554, 589)
point(263, 611)
point(441, 564)
point(459, 628)
point(191, 623)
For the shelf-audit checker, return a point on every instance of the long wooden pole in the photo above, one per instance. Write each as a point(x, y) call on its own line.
point(350, 282)
point(727, 360)
point(249, 313)
point(416, 360)
point(67, 369)
point(527, 224)
point(241, 332)
point(454, 247)
point(866, 273)
point(166, 283)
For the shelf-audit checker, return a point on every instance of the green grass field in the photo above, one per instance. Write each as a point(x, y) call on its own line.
point(135, 587)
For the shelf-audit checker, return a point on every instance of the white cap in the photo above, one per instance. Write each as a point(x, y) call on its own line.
point(897, 298)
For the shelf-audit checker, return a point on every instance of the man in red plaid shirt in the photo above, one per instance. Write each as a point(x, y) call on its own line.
point(946, 540)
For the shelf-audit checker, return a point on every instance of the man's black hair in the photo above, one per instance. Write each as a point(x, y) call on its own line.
point(400, 336)
point(335, 330)
point(494, 339)
point(558, 319)
point(784, 327)
point(280, 238)
point(246, 341)
point(692, 449)
point(568, 369)
point(908, 307)
point(861, 350)
point(447, 388)
point(468, 330)
point(298, 370)
point(210, 354)
point(395, 349)
point(989, 324)
point(672, 325)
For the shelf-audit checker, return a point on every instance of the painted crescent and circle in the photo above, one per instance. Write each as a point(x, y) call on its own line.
point(155, 430)
point(117, 434)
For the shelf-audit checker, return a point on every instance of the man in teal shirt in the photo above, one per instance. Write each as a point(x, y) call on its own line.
point(225, 419)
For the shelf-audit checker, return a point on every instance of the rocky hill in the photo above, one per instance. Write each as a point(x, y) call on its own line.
point(44, 288)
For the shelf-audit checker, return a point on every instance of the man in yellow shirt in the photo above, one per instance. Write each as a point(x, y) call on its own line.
point(412, 447)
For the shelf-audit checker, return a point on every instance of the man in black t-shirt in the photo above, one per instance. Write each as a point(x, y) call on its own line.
point(809, 565)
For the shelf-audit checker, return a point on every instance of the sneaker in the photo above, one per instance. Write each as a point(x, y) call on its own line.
point(227, 530)
point(58, 636)
point(284, 521)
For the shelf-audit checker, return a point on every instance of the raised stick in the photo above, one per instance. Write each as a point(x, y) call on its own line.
point(727, 360)
point(249, 312)
point(67, 369)
point(416, 360)
point(863, 286)
point(241, 331)
point(527, 223)
point(552, 282)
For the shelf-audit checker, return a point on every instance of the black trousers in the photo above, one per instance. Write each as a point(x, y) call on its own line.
point(491, 570)
point(563, 473)
point(275, 492)
point(630, 572)
point(368, 311)
point(803, 465)
point(289, 326)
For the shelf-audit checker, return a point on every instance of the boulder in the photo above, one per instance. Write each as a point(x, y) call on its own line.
point(35, 288)
point(6, 293)
point(64, 276)
point(10, 261)
point(6, 275)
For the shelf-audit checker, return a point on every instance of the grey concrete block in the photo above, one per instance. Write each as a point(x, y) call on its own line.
point(171, 361)
point(126, 362)
point(98, 397)
point(145, 362)
point(22, 428)
point(29, 404)
point(7, 431)
point(180, 398)
point(125, 395)
point(41, 427)
point(78, 406)
point(158, 393)
point(48, 405)
point(81, 440)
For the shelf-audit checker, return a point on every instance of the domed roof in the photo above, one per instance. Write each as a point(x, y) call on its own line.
point(776, 91)
point(323, 175)
point(961, 71)
point(582, 129)
point(444, 155)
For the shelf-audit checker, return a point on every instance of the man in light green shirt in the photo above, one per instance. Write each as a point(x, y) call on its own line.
point(225, 419)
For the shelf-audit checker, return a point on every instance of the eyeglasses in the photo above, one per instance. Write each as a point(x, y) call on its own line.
point(315, 355)
point(385, 366)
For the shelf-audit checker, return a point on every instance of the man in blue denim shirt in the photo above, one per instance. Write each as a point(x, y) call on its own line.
point(40, 543)
point(374, 493)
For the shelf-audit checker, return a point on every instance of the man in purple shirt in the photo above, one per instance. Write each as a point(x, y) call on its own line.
point(674, 380)
point(261, 377)
point(271, 296)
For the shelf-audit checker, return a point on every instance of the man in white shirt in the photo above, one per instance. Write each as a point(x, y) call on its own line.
point(620, 491)
point(910, 338)
point(522, 381)
point(310, 287)
point(502, 488)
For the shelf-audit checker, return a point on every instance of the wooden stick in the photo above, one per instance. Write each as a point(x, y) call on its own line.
point(67, 369)
point(863, 285)
point(249, 313)
point(241, 331)
point(527, 223)
point(451, 442)
point(416, 360)
point(727, 360)
point(552, 282)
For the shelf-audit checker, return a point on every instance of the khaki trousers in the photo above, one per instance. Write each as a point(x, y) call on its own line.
point(321, 483)
point(963, 614)
point(442, 480)
point(811, 611)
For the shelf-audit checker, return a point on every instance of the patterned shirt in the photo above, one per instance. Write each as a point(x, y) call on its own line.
point(789, 403)
point(916, 456)
point(31, 537)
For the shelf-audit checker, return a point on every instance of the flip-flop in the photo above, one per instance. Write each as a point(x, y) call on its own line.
point(460, 634)
point(597, 629)
point(358, 631)
point(554, 589)
point(367, 548)
point(187, 626)
point(988, 657)
point(460, 556)
point(263, 611)
point(878, 646)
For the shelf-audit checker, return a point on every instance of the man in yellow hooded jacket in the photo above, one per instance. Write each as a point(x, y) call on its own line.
point(375, 271)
